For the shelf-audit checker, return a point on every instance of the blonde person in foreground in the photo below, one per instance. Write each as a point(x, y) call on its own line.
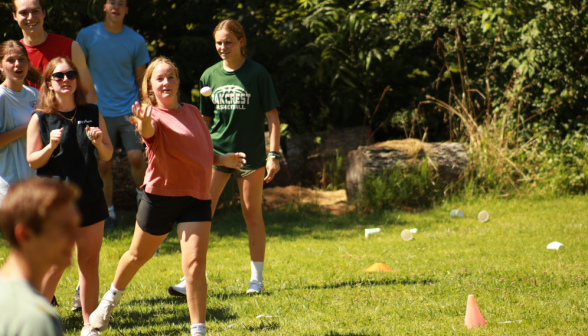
point(177, 189)
point(242, 99)
point(40, 220)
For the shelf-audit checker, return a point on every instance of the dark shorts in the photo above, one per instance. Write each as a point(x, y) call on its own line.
point(157, 214)
point(122, 127)
point(94, 211)
point(235, 172)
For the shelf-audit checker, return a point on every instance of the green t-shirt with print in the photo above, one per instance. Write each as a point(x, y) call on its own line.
point(24, 312)
point(238, 104)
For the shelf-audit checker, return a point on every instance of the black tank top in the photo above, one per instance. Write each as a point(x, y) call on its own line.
point(75, 159)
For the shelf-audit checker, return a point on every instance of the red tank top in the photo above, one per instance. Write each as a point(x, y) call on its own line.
point(54, 46)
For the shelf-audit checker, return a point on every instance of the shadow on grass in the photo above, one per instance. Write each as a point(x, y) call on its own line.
point(214, 313)
point(334, 333)
point(291, 222)
point(226, 296)
point(368, 282)
point(263, 325)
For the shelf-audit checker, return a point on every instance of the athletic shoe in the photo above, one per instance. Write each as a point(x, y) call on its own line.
point(77, 303)
point(101, 316)
point(255, 287)
point(179, 289)
point(91, 332)
point(109, 224)
point(54, 302)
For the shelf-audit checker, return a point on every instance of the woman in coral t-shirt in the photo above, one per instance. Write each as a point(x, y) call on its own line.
point(177, 189)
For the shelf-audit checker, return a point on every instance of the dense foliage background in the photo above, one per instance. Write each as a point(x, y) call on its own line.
point(513, 68)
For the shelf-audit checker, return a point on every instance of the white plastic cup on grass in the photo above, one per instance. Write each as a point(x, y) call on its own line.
point(456, 213)
point(372, 231)
point(555, 246)
point(483, 216)
point(406, 234)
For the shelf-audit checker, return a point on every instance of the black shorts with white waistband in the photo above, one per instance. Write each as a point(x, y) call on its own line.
point(157, 214)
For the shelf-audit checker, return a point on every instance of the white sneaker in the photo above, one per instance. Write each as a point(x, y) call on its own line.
point(77, 303)
point(101, 316)
point(255, 287)
point(179, 289)
point(90, 332)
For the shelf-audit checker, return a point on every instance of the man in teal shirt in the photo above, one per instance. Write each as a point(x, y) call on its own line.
point(117, 57)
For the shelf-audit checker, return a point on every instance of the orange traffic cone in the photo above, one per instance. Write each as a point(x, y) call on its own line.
point(473, 316)
point(378, 267)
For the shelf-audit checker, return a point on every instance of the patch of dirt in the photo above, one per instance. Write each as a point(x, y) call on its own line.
point(334, 202)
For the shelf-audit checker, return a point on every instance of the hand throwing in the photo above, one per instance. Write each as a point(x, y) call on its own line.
point(143, 115)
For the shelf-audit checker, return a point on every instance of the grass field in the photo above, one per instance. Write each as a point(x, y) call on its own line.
point(316, 284)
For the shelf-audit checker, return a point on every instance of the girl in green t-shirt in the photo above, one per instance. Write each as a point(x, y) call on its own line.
point(242, 98)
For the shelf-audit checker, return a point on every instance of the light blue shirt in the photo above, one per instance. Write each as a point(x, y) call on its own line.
point(112, 59)
point(16, 109)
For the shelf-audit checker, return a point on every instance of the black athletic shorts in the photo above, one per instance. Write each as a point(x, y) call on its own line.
point(94, 211)
point(157, 214)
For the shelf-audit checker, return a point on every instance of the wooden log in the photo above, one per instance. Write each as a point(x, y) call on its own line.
point(449, 159)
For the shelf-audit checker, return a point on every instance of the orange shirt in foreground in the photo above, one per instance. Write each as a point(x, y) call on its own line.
point(180, 154)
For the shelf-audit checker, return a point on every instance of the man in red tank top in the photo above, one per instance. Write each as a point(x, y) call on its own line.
point(42, 47)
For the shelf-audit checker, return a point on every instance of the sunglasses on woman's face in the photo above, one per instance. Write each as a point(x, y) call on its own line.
point(59, 76)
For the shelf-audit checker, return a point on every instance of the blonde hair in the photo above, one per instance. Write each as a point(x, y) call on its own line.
point(235, 28)
point(147, 96)
point(47, 100)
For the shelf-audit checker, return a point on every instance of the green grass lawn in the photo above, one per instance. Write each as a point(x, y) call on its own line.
point(316, 284)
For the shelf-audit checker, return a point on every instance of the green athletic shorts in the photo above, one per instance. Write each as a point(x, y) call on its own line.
point(235, 172)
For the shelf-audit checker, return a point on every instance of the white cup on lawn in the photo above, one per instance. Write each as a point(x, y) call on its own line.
point(406, 234)
point(483, 216)
point(555, 246)
point(372, 231)
point(456, 213)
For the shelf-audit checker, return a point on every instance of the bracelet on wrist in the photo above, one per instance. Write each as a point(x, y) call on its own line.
point(273, 155)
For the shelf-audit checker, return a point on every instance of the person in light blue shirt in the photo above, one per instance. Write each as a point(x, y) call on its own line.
point(117, 57)
point(17, 103)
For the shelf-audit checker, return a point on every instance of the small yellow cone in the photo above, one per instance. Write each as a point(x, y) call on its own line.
point(473, 316)
point(378, 267)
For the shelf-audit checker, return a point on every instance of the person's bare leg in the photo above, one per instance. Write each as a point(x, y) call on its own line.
point(105, 170)
point(50, 282)
point(138, 165)
point(142, 248)
point(251, 190)
point(194, 238)
point(217, 185)
point(89, 242)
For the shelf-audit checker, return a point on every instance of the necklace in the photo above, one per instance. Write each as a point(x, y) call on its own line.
point(72, 118)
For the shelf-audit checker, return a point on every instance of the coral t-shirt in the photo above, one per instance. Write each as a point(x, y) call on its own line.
point(40, 55)
point(180, 154)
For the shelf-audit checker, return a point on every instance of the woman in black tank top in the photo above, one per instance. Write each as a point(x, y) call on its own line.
point(63, 139)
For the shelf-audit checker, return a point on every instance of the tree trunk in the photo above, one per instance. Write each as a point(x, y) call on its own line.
point(448, 159)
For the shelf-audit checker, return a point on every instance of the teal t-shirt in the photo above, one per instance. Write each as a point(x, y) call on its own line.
point(238, 104)
point(24, 312)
